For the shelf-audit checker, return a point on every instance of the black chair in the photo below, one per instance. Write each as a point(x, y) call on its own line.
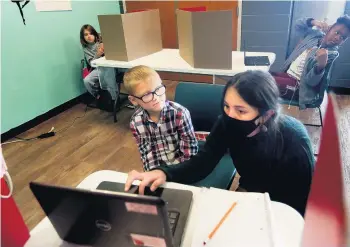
point(86, 68)
point(296, 103)
point(204, 103)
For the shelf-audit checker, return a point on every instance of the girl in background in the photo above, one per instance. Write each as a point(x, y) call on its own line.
point(93, 49)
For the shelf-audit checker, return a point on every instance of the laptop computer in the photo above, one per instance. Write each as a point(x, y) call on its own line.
point(109, 217)
point(255, 60)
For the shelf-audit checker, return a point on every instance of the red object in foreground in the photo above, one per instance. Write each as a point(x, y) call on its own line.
point(86, 72)
point(14, 232)
point(138, 242)
point(325, 217)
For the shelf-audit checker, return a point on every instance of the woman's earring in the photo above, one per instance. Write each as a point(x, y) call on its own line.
point(268, 115)
point(263, 128)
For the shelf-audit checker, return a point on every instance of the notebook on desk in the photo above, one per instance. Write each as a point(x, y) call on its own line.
point(250, 223)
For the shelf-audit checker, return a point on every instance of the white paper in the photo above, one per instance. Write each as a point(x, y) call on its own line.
point(247, 224)
point(53, 5)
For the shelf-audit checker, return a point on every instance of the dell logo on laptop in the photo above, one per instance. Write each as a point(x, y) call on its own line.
point(103, 225)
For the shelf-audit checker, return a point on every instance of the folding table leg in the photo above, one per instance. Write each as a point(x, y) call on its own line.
point(115, 110)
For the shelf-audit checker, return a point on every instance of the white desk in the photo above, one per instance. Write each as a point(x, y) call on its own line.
point(288, 222)
point(169, 60)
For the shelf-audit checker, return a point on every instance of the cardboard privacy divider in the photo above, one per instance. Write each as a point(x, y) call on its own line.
point(132, 35)
point(205, 37)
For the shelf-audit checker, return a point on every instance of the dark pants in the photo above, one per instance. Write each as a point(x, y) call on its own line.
point(287, 86)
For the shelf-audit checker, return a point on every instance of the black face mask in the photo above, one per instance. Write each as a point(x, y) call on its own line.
point(238, 128)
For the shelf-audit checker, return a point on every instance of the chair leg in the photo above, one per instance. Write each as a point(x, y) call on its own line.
point(116, 103)
point(321, 121)
point(233, 178)
point(115, 110)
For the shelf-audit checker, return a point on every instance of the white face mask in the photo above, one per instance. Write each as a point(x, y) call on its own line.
point(4, 174)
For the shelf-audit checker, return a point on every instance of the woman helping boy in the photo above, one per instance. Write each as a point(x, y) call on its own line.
point(271, 151)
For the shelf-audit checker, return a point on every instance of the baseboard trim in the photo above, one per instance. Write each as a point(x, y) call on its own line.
point(340, 90)
point(39, 119)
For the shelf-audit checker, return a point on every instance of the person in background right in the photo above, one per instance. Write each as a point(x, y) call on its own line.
point(306, 72)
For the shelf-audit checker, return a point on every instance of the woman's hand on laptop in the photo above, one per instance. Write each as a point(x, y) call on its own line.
point(153, 179)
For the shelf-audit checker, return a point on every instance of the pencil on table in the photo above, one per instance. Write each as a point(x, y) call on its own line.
point(219, 224)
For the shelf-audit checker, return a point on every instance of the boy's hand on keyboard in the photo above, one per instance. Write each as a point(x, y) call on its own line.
point(153, 179)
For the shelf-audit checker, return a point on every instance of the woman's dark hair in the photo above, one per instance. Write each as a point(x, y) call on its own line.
point(92, 30)
point(259, 90)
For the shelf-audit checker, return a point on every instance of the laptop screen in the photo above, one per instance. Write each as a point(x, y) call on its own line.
point(100, 219)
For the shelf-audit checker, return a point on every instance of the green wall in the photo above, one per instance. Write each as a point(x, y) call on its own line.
point(40, 62)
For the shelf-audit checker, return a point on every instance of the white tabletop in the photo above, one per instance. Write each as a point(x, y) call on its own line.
point(169, 60)
point(287, 221)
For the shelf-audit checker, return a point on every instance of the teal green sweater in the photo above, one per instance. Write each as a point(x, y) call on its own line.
point(285, 176)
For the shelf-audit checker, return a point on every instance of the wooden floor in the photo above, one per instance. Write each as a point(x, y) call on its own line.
point(93, 143)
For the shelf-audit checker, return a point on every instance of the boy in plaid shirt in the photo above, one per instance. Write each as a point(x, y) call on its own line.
point(163, 129)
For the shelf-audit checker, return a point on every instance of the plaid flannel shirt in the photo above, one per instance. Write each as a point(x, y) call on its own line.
point(170, 141)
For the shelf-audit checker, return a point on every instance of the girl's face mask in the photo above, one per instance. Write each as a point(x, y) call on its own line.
point(241, 119)
point(240, 128)
point(250, 128)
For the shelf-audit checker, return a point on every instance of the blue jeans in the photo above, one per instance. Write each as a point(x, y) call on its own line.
point(91, 82)
point(102, 78)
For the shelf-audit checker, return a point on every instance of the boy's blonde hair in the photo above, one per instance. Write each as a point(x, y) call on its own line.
point(135, 75)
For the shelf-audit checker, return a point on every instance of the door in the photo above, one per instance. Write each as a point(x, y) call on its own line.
point(217, 5)
point(266, 27)
point(167, 18)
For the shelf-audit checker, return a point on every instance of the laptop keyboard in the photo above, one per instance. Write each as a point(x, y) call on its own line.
point(173, 217)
